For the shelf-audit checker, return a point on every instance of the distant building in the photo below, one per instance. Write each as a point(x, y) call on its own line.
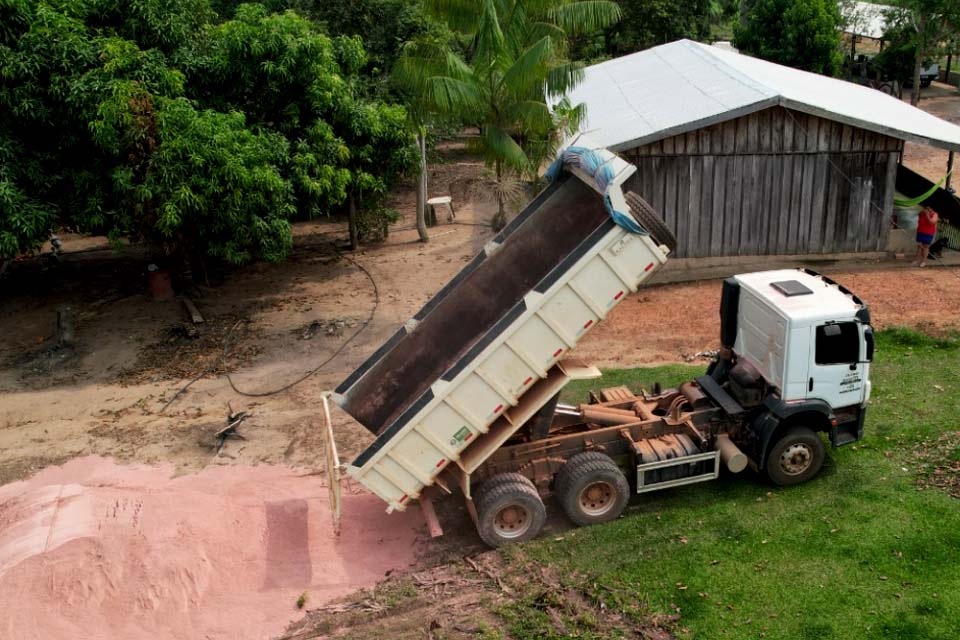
point(746, 157)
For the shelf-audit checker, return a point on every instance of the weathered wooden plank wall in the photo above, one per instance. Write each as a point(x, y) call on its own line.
point(773, 182)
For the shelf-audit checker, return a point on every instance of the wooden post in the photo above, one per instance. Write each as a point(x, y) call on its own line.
point(946, 185)
point(422, 185)
point(65, 330)
point(352, 221)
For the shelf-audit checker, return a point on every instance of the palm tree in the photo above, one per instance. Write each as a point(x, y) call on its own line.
point(512, 66)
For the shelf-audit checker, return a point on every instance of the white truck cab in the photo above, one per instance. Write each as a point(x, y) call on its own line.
point(805, 335)
point(796, 353)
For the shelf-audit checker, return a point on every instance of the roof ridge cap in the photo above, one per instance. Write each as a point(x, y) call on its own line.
point(704, 51)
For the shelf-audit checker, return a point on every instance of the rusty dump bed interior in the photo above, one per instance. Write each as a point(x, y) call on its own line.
point(545, 239)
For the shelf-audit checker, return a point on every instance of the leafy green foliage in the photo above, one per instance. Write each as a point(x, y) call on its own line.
point(922, 30)
point(797, 33)
point(208, 157)
point(148, 119)
point(514, 62)
point(384, 26)
point(647, 23)
point(896, 60)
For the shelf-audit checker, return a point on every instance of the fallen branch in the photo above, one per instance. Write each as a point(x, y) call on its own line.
point(195, 316)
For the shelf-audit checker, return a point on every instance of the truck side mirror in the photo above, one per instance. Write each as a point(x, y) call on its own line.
point(868, 340)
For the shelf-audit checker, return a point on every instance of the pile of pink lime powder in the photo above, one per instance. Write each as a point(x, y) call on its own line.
point(93, 549)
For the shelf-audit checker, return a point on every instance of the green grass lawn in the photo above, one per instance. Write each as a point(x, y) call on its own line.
point(859, 552)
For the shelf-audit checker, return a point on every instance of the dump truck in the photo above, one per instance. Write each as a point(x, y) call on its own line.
point(465, 396)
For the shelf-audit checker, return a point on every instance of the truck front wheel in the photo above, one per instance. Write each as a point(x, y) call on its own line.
point(592, 489)
point(510, 512)
point(796, 457)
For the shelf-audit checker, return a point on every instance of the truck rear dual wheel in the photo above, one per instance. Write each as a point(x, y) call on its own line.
point(796, 457)
point(591, 488)
point(509, 511)
point(496, 480)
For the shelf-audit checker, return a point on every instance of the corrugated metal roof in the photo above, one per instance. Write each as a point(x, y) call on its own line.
point(686, 85)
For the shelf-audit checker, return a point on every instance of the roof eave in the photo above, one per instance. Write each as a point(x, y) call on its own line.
point(693, 125)
point(893, 132)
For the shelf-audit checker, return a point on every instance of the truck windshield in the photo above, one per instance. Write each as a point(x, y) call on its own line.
point(838, 343)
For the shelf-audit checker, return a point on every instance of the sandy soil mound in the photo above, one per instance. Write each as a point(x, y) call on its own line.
point(97, 550)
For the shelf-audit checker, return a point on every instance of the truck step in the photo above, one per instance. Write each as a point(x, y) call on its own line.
point(716, 393)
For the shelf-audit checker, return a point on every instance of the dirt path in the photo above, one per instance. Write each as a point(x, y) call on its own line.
point(105, 396)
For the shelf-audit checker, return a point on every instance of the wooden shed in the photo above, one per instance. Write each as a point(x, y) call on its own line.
point(745, 157)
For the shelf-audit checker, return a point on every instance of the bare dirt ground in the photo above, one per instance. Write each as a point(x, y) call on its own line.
point(455, 600)
point(119, 392)
point(943, 101)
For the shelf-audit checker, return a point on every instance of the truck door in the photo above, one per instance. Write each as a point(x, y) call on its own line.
point(836, 373)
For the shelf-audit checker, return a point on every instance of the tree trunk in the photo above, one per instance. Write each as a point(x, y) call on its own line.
point(918, 61)
point(422, 186)
point(354, 231)
point(500, 219)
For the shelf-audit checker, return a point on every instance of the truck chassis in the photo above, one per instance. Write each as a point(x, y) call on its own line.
point(593, 456)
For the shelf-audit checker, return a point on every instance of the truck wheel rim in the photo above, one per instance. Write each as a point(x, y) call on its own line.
point(512, 521)
point(598, 498)
point(796, 459)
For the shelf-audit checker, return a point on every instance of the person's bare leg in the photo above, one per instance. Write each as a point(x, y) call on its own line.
point(924, 251)
point(917, 254)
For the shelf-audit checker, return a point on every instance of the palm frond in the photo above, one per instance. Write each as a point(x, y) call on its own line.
point(584, 16)
point(567, 118)
point(489, 39)
point(496, 145)
point(532, 117)
point(452, 97)
point(529, 68)
point(460, 15)
point(542, 28)
point(422, 58)
point(564, 77)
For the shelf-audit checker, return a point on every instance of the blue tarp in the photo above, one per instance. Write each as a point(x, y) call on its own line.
point(592, 162)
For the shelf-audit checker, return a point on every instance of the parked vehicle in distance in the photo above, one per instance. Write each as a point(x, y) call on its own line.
point(865, 71)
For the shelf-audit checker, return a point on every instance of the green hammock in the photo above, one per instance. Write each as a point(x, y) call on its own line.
point(910, 202)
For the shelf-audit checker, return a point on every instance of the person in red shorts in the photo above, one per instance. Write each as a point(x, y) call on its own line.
point(926, 231)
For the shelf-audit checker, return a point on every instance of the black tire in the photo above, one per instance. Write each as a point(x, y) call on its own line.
point(796, 457)
point(651, 220)
point(591, 489)
point(493, 481)
point(510, 512)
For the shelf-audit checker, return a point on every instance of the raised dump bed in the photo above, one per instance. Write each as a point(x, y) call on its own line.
point(487, 352)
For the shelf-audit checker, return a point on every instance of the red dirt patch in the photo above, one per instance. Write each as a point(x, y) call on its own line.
point(671, 323)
